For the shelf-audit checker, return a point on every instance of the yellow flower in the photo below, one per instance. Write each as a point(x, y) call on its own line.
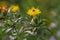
point(14, 8)
point(33, 11)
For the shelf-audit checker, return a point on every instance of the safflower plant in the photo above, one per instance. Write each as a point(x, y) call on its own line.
point(32, 26)
point(29, 26)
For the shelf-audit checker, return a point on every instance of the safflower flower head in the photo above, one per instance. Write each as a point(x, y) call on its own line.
point(33, 11)
point(3, 5)
point(14, 8)
point(4, 8)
